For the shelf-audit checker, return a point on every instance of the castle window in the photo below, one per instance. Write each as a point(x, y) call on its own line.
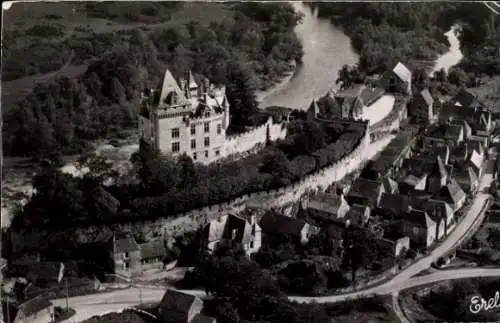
point(194, 156)
point(207, 126)
point(219, 129)
point(207, 114)
point(206, 153)
point(207, 141)
point(217, 152)
point(193, 129)
point(193, 143)
point(175, 133)
point(176, 147)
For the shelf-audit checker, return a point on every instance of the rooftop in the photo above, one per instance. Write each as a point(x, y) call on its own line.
point(277, 223)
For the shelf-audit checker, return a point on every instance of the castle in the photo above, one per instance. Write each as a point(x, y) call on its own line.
point(192, 119)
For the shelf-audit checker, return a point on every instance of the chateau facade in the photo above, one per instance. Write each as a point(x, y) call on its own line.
point(189, 118)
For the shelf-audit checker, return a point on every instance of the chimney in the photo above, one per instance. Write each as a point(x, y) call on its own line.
point(182, 83)
point(207, 85)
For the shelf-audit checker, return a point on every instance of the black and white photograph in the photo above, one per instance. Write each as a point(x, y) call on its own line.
point(250, 161)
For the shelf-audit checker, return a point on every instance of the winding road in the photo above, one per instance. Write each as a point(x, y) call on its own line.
point(99, 304)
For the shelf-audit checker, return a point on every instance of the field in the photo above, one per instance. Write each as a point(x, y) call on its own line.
point(25, 53)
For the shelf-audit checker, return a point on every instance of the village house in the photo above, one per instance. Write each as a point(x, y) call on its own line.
point(179, 307)
point(421, 108)
point(439, 136)
point(452, 194)
point(441, 210)
point(358, 215)
point(326, 205)
point(412, 183)
point(38, 309)
point(126, 255)
point(440, 226)
point(466, 99)
point(420, 228)
point(479, 119)
point(396, 247)
point(390, 185)
point(467, 179)
point(444, 154)
point(395, 203)
point(365, 192)
point(236, 229)
point(153, 254)
point(277, 226)
point(438, 176)
point(397, 80)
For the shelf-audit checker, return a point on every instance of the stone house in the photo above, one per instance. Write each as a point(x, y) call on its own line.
point(38, 309)
point(280, 226)
point(126, 255)
point(394, 247)
point(440, 210)
point(452, 194)
point(467, 179)
point(466, 99)
point(358, 215)
point(419, 227)
point(438, 136)
point(438, 176)
point(440, 226)
point(179, 307)
point(421, 108)
point(153, 253)
point(233, 228)
point(365, 192)
point(397, 80)
point(326, 205)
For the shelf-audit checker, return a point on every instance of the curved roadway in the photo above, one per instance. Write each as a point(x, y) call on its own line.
point(98, 304)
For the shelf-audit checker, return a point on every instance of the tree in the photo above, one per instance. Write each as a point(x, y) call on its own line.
point(457, 76)
point(348, 75)
point(359, 249)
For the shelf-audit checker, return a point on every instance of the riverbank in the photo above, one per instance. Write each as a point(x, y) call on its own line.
point(262, 94)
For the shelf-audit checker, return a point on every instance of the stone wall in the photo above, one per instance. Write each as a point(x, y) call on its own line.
point(393, 121)
point(259, 135)
point(193, 220)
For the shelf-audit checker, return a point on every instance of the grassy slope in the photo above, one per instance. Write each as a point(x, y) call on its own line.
point(23, 16)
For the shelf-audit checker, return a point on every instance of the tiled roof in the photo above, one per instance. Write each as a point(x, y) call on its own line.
point(153, 249)
point(326, 202)
point(389, 184)
point(412, 180)
point(453, 191)
point(365, 188)
point(420, 218)
point(125, 243)
point(476, 160)
point(170, 85)
point(356, 214)
point(396, 203)
point(176, 302)
point(402, 72)
point(464, 97)
point(281, 224)
point(437, 208)
point(34, 305)
point(226, 226)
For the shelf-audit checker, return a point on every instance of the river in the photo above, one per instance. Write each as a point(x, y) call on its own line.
point(454, 54)
point(326, 50)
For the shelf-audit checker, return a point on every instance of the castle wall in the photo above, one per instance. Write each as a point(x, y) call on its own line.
point(195, 219)
point(248, 140)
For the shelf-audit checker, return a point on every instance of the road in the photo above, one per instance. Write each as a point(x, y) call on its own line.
point(98, 304)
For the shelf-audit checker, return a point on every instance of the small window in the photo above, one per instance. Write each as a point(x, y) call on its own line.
point(193, 143)
point(126, 254)
point(193, 129)
point(206, 153)
point(207, 142)
point(219, 129)
point(175, 133)
point(176, 147)
point(194, 156)
point(207, 126)
point(207, 114)
point(217, 152)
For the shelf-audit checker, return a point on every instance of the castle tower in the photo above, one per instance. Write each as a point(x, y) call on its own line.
point(192, 86)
